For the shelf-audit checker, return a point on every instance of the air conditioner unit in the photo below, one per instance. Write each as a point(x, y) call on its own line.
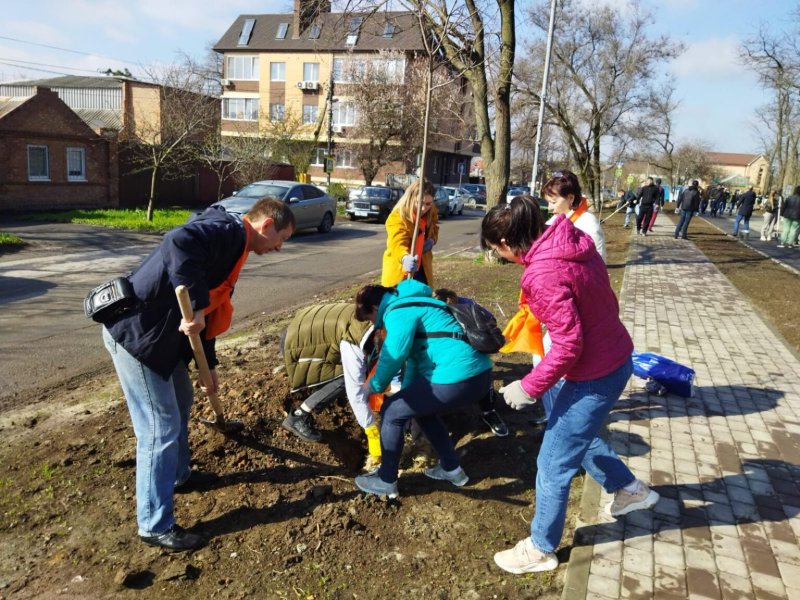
point(301, 85)
point(311, 85)
point(337, 129)
point(224, 82)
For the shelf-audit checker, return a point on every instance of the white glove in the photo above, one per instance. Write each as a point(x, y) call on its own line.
point(515, 396)
point(427, 246)
point(409, 262)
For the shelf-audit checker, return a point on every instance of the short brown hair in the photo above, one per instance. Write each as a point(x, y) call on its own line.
point(563, 183)
point(277, 210)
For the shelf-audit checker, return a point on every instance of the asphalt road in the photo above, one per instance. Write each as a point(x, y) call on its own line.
point(46, 340)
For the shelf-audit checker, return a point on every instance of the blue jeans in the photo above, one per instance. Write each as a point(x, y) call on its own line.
point(682, 227)
point(739, 220)
point(159, 410)
point(571, 441)
point(628, 212)
point(423, 401)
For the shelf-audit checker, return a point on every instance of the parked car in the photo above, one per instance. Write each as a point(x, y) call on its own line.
point(441, 199)
point(476, 195)
point(311, 206)
point(456, 200)
point(517, 191)
point(372, 201)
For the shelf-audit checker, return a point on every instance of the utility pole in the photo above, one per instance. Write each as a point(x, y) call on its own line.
point(543, 94)
point(329, 148)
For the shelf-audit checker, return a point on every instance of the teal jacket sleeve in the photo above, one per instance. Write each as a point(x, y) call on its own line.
point(401, 325)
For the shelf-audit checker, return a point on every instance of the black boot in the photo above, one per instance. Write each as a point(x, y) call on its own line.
point(301, 423)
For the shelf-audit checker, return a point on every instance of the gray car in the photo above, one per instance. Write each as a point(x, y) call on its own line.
point(311, 206)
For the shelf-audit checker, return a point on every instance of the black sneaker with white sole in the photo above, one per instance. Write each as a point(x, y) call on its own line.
point(301, 424)
point(495, 423)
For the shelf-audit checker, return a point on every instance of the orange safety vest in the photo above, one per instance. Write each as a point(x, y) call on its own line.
point(219, 312)
point(524, 331)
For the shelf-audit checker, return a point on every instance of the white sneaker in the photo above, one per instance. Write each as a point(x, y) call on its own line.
point(624, 501)
point(525, 558)
point(457, 477)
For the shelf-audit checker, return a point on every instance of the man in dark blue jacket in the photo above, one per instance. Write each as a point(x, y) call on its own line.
point(150, 347)
point(689, 204)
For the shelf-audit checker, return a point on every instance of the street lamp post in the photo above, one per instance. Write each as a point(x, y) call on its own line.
point(542, 96)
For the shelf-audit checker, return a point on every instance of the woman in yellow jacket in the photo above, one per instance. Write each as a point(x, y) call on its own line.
point(397, 260)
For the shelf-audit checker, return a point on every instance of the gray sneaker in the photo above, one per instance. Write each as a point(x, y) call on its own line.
point(373, 484)
point(624, 501)
point(301, 424)
point(457, 477)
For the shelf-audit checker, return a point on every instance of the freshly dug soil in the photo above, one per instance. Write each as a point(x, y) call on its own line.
point(285, 520)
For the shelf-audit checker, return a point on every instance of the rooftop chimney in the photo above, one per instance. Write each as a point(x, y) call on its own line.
point(305, 11)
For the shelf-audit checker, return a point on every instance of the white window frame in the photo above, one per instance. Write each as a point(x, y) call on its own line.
point(311, 71)
point(310, 119)
point(240, 113)
point(275, 113)
point(241, 68)
point(319, 157)
point(81, 152)
point(344, 159)
point(46, 176)
point(280, 66)
point(344, 114)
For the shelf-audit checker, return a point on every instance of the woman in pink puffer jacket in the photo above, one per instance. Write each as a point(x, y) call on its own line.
point(567, 288)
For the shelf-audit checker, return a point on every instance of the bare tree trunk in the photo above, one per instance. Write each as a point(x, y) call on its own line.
point(151, 202)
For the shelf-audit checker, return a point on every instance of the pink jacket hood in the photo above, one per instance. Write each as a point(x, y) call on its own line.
point(567, 287)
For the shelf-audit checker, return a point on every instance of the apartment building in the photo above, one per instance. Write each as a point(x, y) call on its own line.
point(277, 64)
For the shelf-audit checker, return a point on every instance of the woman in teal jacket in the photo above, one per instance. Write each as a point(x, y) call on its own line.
point(441, 374)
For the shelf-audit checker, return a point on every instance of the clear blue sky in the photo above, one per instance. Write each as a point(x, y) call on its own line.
point(718, 95)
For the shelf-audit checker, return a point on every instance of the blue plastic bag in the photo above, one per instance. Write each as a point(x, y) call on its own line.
point(673, 376)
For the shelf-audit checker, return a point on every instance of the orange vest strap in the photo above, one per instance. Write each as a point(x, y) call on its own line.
point(219, 312)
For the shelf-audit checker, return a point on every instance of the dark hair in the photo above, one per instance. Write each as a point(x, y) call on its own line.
point(277, 210)
point(369, 298)
point(518, 223)
point(563, 183)
point(796, 191)
point(695, 183)
point(658, 180)
point(446, 295)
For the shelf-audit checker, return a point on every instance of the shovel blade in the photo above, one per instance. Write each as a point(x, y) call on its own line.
point(224, 426)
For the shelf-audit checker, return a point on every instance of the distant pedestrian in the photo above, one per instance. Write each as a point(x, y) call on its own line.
point(791, 220)
point(770, 208)
point(657, 206)
point(705, 197)
point(647, 198)
point(722, 202)
point(747, 202)
point(734, 202)
point(688, 204)
point(630, 199)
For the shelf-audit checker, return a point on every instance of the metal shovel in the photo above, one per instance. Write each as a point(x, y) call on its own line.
point(219, 423)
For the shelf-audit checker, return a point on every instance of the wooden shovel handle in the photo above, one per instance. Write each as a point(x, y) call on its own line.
point(199, 353)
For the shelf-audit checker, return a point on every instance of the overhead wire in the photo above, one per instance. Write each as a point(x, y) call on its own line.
point(5, 37)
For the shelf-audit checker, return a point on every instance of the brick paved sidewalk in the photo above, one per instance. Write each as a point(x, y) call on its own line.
point(726, 462)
